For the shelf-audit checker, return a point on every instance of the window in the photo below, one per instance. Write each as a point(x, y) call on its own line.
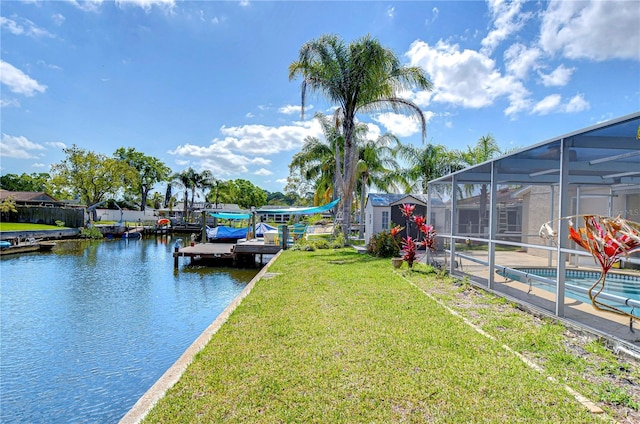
point(385, 220)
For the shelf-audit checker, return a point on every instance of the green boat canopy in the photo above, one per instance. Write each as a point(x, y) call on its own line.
point(302, 211)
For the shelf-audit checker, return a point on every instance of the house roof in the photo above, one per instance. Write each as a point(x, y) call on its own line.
point(389, 199)
point(27, 196)
point(505, 195)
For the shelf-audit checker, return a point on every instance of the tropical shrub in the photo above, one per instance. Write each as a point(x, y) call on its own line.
point(383, 245)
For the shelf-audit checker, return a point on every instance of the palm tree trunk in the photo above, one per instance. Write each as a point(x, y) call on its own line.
point(363, 193)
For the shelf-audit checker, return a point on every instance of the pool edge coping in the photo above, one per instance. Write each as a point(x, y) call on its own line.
point(156, 392)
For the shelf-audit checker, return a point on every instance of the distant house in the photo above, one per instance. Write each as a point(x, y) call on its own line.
point(382, 210)
point(509, 211)
point(38, 207)
point(30, 198)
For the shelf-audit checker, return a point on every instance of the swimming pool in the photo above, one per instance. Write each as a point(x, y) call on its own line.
point(623, 286)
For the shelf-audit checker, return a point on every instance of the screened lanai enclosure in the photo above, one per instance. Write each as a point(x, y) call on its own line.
point(489, 219)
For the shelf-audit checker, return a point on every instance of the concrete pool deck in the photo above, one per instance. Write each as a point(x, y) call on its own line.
point(578, 314)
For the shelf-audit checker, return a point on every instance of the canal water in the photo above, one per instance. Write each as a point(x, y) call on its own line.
point(86, 329)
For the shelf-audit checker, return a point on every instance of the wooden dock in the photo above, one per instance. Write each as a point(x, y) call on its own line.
point(242, 252)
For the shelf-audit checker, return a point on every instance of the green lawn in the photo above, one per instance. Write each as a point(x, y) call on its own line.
point(16, 226)
point(335, 336)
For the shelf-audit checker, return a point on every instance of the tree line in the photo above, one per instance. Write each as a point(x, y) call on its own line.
point(130, 176)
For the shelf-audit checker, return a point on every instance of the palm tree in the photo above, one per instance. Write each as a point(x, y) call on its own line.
point(316, 160)
point(377, 166)
point(360, 77)
point(485, 149)
point(426, 163)
point(184, 180)
point(203, 181)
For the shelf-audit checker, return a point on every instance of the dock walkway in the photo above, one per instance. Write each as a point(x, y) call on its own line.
point(240, 251)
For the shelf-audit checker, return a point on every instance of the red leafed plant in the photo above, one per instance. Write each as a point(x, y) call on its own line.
point(607, 239)
point(427, 238)
point(409, 249)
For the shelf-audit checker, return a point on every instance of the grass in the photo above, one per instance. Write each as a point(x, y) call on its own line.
point(17, 226)
point(582, 362)
point(335, 336)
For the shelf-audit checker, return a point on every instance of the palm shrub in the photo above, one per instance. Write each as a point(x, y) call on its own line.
point(383, 245)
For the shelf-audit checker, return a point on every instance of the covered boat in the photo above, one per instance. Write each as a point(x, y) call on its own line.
point(223, 233)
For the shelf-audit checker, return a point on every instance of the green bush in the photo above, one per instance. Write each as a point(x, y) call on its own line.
point(383, 245)
point(91, 233)
point(337, 242)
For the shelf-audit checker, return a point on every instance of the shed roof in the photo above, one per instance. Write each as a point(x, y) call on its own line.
point(389, 199)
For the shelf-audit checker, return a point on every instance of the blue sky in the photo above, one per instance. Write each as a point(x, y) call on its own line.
point(205, 84)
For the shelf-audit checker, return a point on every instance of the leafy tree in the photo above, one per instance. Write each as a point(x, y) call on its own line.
point(7, 206)
point(239, 191)
point(360, 77)
point(377, 166)
point(426, 163)
point(249, 195)
point(201, 181)
point(485, 149)
point(279, 198)
point(93, 177)
point(156, 200)
point(316, 161)
point(25, 182)
point(150, 171)
point(184, 180)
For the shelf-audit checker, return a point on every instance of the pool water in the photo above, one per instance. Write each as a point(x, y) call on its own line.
point(89, 327)
point(622, 285)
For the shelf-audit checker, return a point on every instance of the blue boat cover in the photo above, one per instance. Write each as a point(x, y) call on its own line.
point(222, 232)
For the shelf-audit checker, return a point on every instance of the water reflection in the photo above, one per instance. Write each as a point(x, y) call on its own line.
point(89, 327)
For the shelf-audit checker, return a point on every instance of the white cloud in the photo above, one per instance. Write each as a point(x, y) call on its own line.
point(265, 140)
point(11, 26)
point(400, 125)
point(17, 81)
point(464, 78)
point(246, 146)
point(507, 20)
point(249, 115)
point(553, 104)
point(87, 5)
point(25, 28)
point(577, 104)
point(58, 18)
point(147, 5)
point(293, 109)
point(559, 77)
point(47, 65)
point(56, 145)
point(519, 60)
point(435, 12)
point(547, 105)
point(9, 103)
point(18, 147)
point(39, 165)
point(263, 172)
point(391, 11)
point(596, 30)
